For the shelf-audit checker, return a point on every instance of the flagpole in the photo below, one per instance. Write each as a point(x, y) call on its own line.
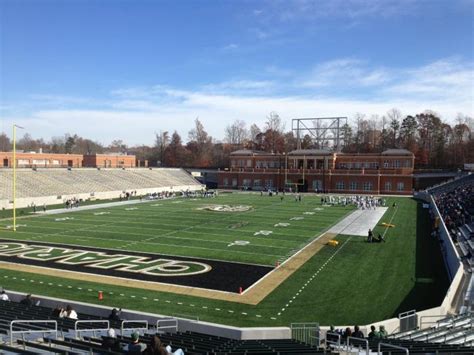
point(14, 178)
point(14, 175)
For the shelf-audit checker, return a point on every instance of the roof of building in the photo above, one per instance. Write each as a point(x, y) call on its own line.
point(310, 152)
point(250, 152)
point(396, 152)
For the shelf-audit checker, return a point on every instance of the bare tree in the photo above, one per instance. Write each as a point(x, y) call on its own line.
point(5, 143)
point(200, 145)
point(236, 134)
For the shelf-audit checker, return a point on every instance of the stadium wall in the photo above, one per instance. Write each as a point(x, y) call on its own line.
point(183, 324)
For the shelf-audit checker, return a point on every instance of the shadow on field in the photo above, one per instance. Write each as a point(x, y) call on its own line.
point(431, 279)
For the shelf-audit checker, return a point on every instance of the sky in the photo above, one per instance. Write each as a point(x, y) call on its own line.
point(117, 69)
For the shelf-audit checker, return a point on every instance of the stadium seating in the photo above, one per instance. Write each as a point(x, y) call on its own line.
point(190, 342)
point(450, 335)
point(455, 201)
point(57, 182)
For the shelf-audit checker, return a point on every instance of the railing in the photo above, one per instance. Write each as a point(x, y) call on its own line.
point(305, 332)
point(393, 347)
point(122, 326)
point(93, 330)
point(442, 316)
point(340, 171)
point(333, 334)
point(173, 321)
point(55, 330)
point(360, 340)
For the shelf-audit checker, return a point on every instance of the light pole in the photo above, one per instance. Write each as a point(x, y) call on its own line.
point(14, 175)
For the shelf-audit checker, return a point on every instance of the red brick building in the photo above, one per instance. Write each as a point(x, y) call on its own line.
point(50, 160)
point(109, 161)
point(389, 172)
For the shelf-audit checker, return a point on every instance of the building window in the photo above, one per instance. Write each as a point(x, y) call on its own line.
point(388, 186)
point(246, 182)
point(340, 185)
point(396, 163)
point(317, 185)
point(234, 182)
point(386, 164)
point(357, 165)
point(226, 182)
point(249, 163)
point(269, 183)
point(400, 186)
point(353, 185)
point(407, 163)
point(367, 186)
point(373, 165)
point(257, 183)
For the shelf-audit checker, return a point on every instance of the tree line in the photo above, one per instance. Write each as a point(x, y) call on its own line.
point(435, 143)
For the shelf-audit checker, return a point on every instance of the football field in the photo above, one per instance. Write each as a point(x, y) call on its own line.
point(242, 238)
point(254, 229)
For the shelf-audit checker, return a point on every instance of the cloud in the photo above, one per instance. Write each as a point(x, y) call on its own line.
point(134, 113)
point(240, 86)
point(347, 72)
point(230, 47)
point(310, 10)
point(441, 79)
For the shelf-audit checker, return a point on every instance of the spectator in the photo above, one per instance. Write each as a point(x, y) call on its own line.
point(68, 313)
point(373, 333)
point(357, 333)
point(177, 352)
point(110, 342)
point(115, 315)
point(347, 333)
point(382, 332)
point(331, 335)
point(57, 312)
point(155, 347)
point(27, 301)
point(135, 347)
point(4, 296)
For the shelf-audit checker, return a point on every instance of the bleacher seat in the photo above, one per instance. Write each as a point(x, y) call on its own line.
point(58, 182)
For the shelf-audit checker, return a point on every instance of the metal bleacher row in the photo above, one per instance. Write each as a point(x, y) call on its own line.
point(451, 335)
point(34, 338)
point(55, 182)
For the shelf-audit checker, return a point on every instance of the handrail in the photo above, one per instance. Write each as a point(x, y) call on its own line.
point(186, 316)
point(392, 346)
point(173, 320)
point(367, 350)
point(32, 330)
point(338, 342)
point(77, 331)
point(443, 317)
point(122, 326)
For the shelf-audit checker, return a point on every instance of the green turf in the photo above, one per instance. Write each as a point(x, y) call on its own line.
point(180, 227)
point(359, 283)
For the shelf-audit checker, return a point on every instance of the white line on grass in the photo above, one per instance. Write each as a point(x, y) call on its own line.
point(283, 309)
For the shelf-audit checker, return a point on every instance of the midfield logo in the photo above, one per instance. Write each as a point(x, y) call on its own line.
point(102, 260)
